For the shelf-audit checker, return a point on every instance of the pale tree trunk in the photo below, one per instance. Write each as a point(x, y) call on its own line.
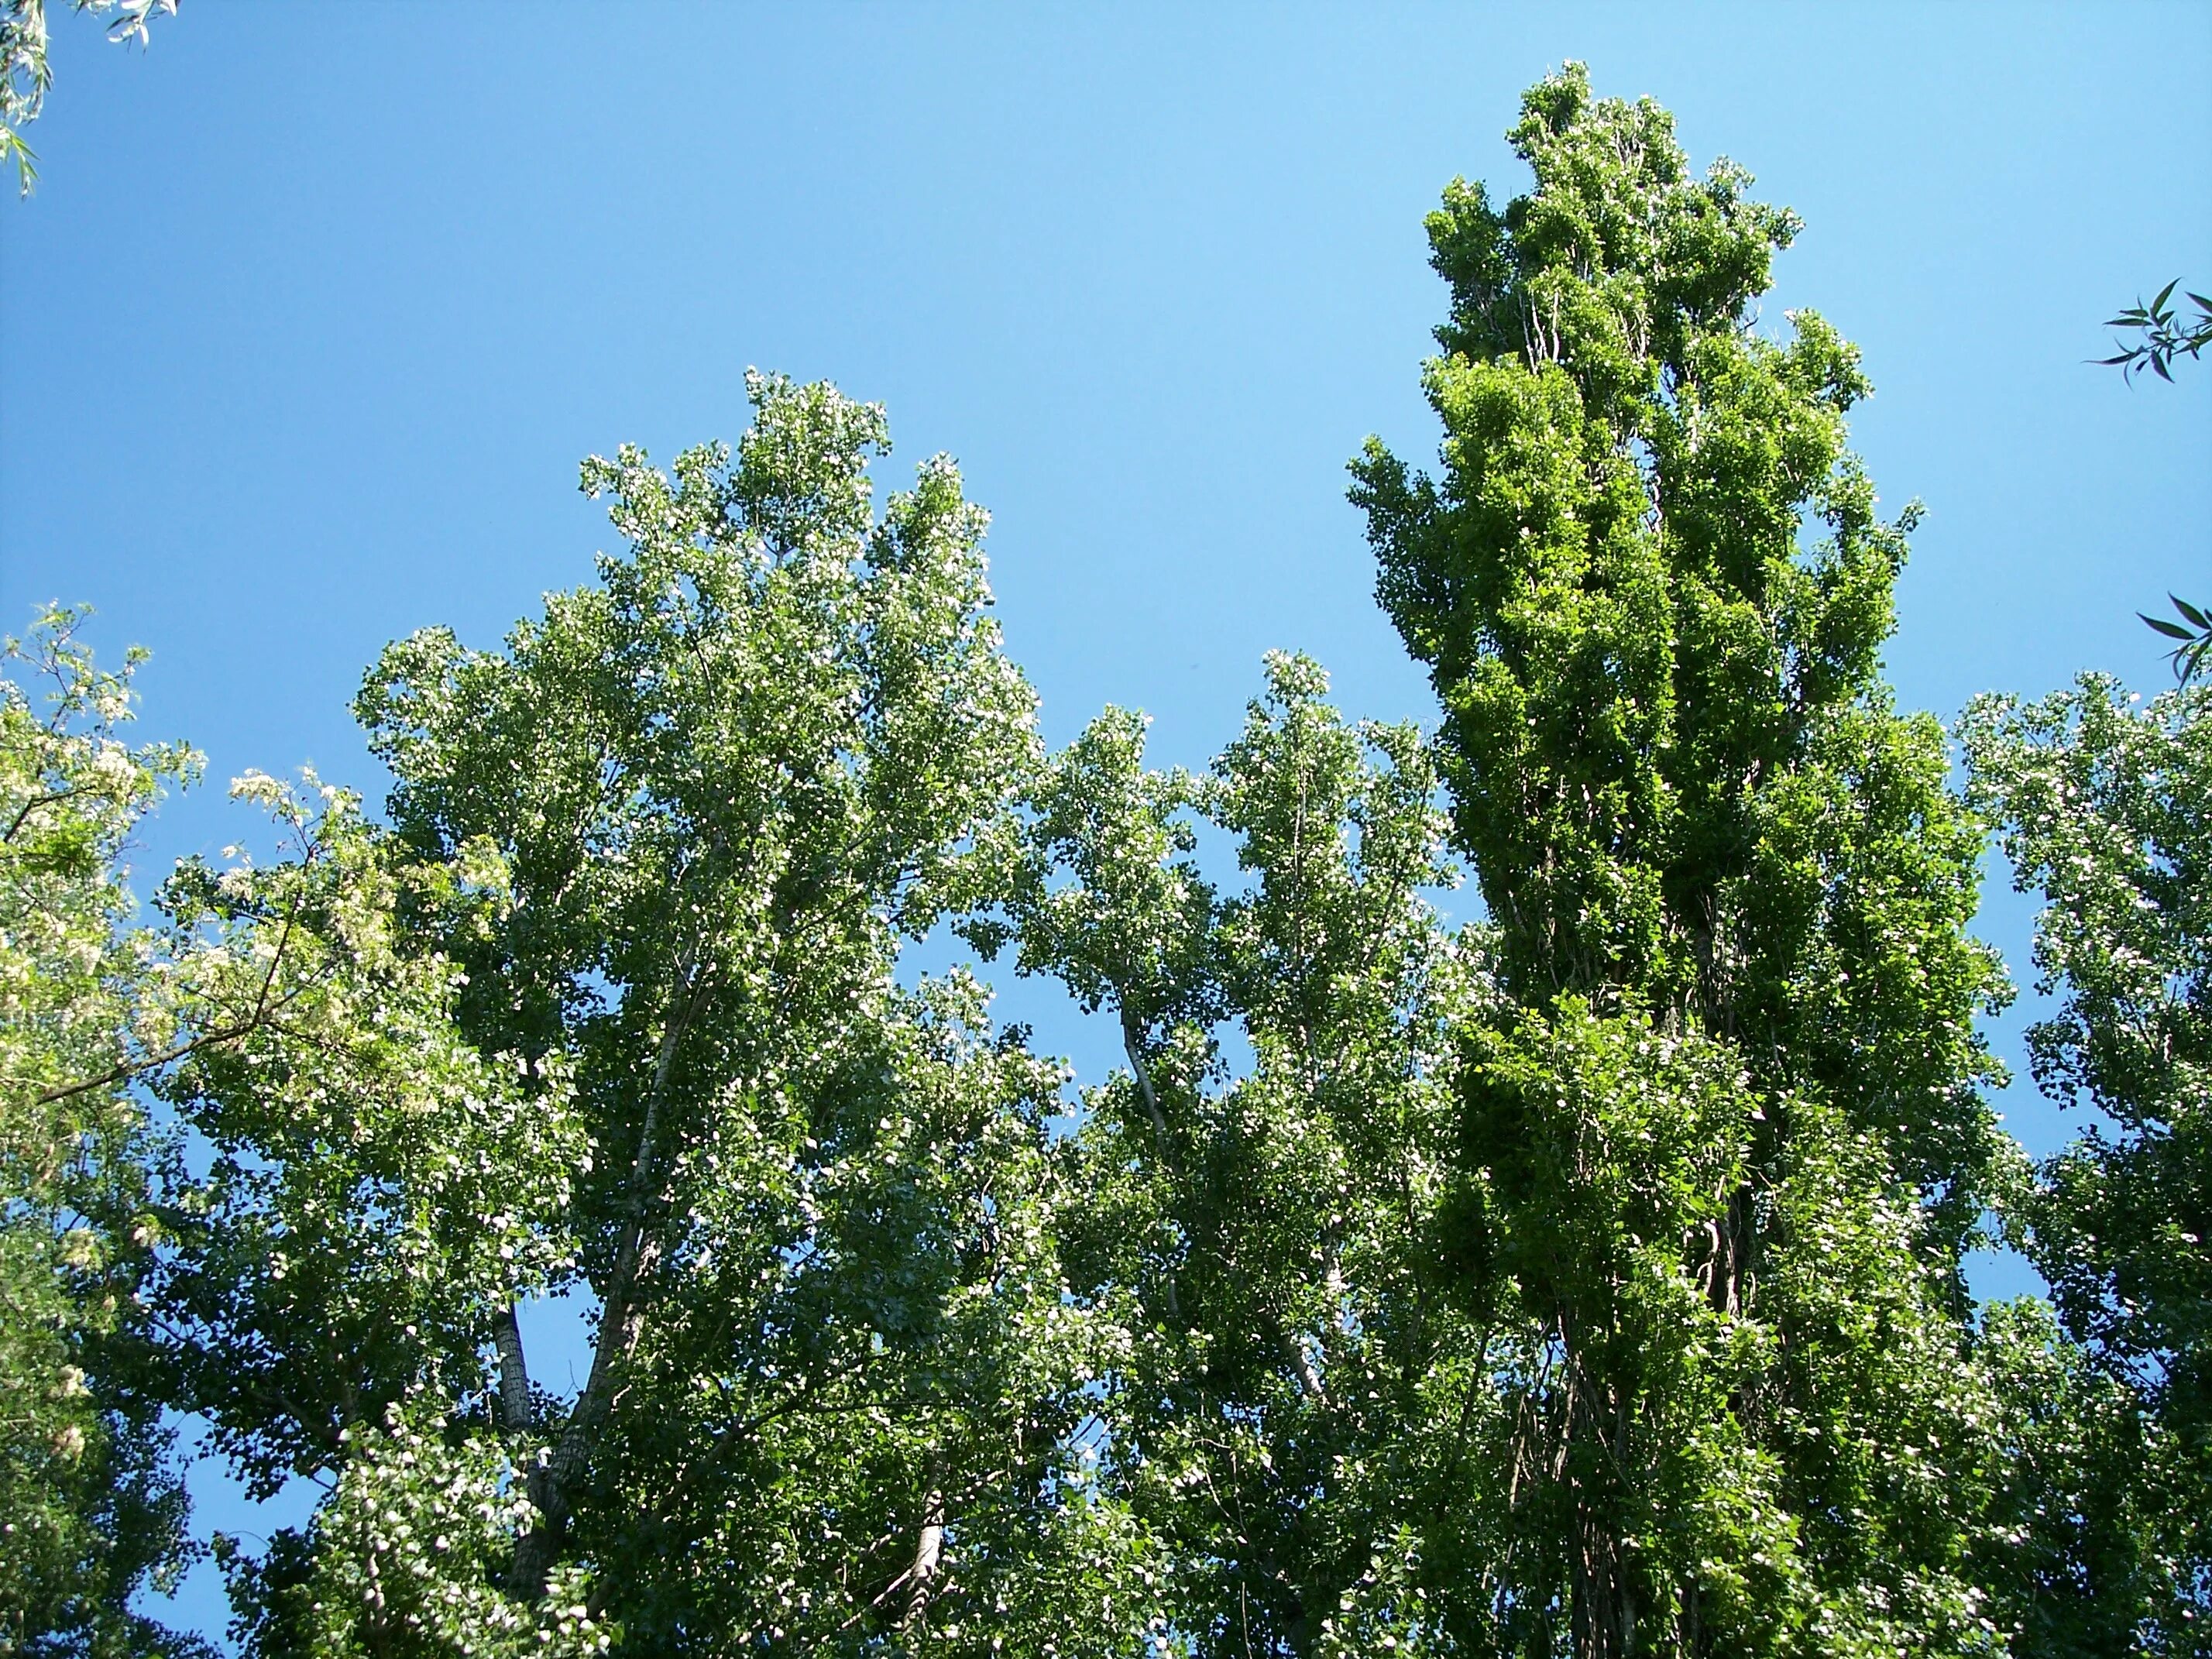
point(1132, 1044)
point(513, 1372)
point(928, 1554)
point(622, 1321)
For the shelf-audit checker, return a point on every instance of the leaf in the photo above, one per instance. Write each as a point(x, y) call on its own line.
point(2159, 304)
point(2172, 630)
point(2190, 611)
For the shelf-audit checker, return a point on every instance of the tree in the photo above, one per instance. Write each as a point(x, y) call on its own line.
point(1300, 1382)
point(94, 1510)
point(24, 77)
point(1721, 1155)
point(612, 1004)
point(2105, 808)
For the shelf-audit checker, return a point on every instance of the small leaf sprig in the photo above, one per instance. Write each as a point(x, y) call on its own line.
point(2194, 654)
point(2164, 334)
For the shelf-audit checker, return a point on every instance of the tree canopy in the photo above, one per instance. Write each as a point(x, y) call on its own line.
point(1582, 1276)
point(1720, 1159)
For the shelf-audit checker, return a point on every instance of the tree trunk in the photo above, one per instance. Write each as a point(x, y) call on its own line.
point(513, 1372)
point(1132, 1044)
point(928, 1551)
point(622, 1321)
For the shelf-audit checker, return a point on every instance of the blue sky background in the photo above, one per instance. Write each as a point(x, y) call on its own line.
point(315, 309)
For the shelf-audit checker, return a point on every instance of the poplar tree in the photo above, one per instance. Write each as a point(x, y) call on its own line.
point(611, 1007)
point(1298, 1384)
point(1718, 1164)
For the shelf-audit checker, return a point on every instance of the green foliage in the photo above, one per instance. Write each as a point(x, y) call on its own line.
point(1651, 588)
point(2164, 334)
point(2194, 630)
point(90, 1508)
point(374, 1187)
point(2096, 1544)
point(2105, 807)
point(1587, 1280)
point(611, 1008)
point(24, 77)
point(404, 1558)
point(1298, 1377)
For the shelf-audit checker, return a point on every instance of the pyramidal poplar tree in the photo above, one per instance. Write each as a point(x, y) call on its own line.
point(1718, 1162)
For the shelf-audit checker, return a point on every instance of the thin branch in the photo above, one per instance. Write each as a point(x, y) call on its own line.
point(34, 805)
point(251, 1023)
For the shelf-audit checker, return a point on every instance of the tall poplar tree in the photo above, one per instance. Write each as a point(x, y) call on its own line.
point(612, 1006)
point(1717, 1166)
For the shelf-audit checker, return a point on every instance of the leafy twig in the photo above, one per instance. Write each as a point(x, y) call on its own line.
point(2194, 654)
point(2164, 336)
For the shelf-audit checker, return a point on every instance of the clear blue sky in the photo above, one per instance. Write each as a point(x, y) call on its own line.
point(315, 309)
